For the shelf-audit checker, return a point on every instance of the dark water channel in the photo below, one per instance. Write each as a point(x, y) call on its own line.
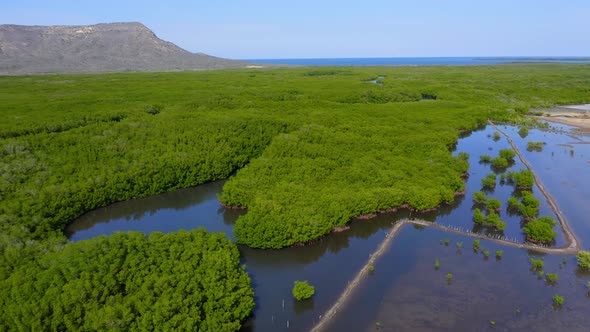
point(332, 262)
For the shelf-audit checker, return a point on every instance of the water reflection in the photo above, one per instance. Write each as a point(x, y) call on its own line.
point(332, 261)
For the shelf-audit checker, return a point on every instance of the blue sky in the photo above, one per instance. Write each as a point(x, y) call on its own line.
point(296, 29)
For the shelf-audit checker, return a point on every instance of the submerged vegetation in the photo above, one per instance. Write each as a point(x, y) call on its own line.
point(535, 146)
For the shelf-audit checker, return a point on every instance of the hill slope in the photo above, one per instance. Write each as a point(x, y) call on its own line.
point(109, 47)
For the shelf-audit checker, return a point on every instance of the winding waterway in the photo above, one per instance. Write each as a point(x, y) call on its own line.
point(395, 294)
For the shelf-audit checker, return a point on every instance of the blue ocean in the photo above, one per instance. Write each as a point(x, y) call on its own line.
point(424, 61)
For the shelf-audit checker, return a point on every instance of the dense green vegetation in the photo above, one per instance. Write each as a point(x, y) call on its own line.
point(528, 206)
point(478, 216)
point(314, 148)
point(583, 258)
point(322, 145)
point(302, 290)
point(494, 204)
point(131, 281)
point(504, 160)
point(480, 197)
point(523, 179)
point(489, 181)
point(540, 229)
point(507, 154)
point(500, 162)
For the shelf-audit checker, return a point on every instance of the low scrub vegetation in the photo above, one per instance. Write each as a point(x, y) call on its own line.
point(535, 146)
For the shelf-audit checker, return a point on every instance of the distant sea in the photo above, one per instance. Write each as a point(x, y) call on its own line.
point(417, 61)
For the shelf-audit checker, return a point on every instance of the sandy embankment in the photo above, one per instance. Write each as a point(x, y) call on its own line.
point(573, 115)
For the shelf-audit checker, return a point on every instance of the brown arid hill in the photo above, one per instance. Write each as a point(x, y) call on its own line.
point(111, 47)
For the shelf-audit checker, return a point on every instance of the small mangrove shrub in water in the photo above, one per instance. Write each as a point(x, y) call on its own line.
point(459, 245)
point(436, 264)
point(523, 179)
point(371, 268)
point(303, 290)
point(494, 204)
point(489, 181)
point(507, 154)
point(583, 258)
point(540, 230)
point(493, 219)
point(557, 300)
point(476, 244)
point(486, 254)
point(523, 132)
point(480, 197)
point(535, 146)
point(551, 277)
point(500, 162)
point(537, 264)
point(528, 206)
point(497, 136)
point(478, 216)
point(484, 158)
point(499, 253)
point(449, 276)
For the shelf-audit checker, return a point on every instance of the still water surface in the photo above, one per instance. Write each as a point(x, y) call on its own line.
point(402, 273)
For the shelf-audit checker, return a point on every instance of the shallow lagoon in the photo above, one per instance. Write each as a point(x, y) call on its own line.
point(332, 262)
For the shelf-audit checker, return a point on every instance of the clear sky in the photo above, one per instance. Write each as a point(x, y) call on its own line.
point(326, 28)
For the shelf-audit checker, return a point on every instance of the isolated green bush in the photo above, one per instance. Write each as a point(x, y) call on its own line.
point(500, 162)
point(489, 181)
point(583, 258)
point(302, 290)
